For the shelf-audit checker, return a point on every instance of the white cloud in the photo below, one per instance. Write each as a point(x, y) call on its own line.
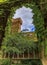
point(26, 15)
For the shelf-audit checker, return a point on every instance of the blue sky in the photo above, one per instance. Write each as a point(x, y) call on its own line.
point(26, 15)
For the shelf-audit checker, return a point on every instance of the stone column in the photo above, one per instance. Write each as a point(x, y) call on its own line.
point(23, 54)
point(28, 53)
point(13, 55)
point(8, 54)
point(17, 55)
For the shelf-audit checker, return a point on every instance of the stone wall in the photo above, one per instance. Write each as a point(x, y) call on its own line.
point(16, 25)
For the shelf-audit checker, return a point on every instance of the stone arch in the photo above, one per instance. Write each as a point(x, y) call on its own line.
point(25, 19)
point(37, 17)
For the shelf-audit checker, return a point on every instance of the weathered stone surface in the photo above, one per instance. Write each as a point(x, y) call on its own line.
point(16, 25)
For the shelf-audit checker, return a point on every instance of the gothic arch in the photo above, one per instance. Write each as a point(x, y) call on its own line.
point(38, 19)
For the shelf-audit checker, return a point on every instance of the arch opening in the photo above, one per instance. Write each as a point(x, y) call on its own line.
point(26, 15)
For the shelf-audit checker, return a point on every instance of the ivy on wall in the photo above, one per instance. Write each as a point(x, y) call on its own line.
point(38, 22)
point(38, 19)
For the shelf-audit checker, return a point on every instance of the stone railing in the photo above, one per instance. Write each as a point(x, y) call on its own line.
point(21, 56)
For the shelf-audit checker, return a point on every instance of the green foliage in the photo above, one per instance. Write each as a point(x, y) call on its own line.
point(1, 11)
point(22, 62)
point(15, 43)
point(8, 28)
point(2, 1)
point(30, 62)
point(1, 28)
point(5, 62)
